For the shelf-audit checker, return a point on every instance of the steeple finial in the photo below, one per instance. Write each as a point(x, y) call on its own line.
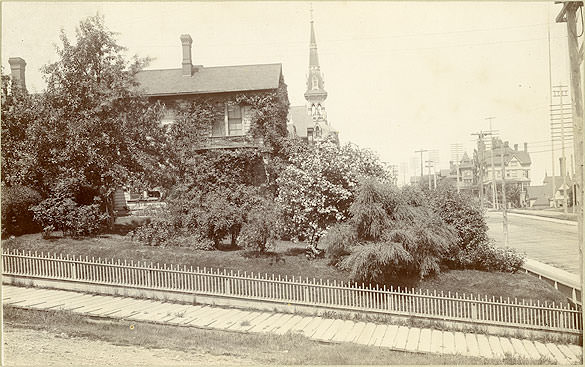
point(311, 10)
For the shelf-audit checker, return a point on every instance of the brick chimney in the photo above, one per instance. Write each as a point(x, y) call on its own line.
point(186, 41)
point(17, 68)
point(526, 147)
point(516, 147)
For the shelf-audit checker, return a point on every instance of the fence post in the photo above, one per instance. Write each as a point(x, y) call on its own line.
point(306, 289)
point(474, 311)
point(227, 286)
point(73, 269)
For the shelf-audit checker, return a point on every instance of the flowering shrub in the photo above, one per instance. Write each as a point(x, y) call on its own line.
point(318, 185)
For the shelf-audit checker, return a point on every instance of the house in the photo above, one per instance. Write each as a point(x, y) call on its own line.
point(517, 165)
point(227, 88)
point(546, 198)
point(309, 122)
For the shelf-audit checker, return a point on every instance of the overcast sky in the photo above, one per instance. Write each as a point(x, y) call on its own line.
point(400, 75)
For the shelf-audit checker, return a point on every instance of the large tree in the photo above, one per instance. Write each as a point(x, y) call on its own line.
point(96, 129)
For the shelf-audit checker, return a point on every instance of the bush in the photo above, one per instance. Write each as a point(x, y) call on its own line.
point(60, 212)
point(260, 231)
point(337, 242)
point(473, 250)
point(489, 257)
point(17, 219)
point(160, 231)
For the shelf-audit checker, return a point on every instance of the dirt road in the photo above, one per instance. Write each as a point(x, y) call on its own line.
point(42, 348)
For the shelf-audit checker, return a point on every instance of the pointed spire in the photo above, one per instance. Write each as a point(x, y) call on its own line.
point(313, 56)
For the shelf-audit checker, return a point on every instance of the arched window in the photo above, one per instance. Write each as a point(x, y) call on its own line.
point(319, 109)
point(313, 110)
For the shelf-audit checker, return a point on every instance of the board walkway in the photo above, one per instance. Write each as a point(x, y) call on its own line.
point(400, 338)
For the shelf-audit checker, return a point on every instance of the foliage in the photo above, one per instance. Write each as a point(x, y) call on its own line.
point(394, 235)
point(473, 250)
point(338, 242)
point(16, 217)
point(261, 228)
point(159, 231)
point(318, 185)
point(91, 124)
point(488, 257)
point(462, 212)
point(60, 212)
point(373, 262)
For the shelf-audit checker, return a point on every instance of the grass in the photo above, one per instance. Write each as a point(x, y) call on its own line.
point(288, 349)
point(287, 259)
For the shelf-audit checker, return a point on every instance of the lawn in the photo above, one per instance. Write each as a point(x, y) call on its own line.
point(288, 349)
point(287, 259)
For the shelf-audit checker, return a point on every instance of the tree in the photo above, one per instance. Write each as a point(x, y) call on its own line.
point(391, 234)
point(99, 130)
point(317, 186)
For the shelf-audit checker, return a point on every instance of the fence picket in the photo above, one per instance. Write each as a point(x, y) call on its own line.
point(446, 306)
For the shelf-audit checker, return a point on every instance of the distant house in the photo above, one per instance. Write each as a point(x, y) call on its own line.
point(225, 85)
point(517, 165)
point(545, 196)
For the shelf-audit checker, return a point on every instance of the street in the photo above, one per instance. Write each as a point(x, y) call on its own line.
point(552, 243)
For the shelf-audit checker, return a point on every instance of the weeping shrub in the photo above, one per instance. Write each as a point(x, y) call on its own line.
point(388, 236)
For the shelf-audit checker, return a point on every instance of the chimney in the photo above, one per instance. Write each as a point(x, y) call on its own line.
point(17, 67)
point(506, 144)
point(516, 147)
point(526, 147)
point(186, 41)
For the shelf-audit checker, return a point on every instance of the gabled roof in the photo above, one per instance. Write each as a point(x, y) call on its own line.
point(522, 156)
point(205, 80)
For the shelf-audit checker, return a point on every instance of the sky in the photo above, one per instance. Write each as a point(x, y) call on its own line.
point(400, 76)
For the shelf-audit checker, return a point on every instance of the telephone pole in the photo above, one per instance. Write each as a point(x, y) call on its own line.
point(559, 117)
point(429, 165)
point(456, 150)
point(481, 149)
point(493, 168)
point(569, 15)
point(421, 151)
point(504, 201)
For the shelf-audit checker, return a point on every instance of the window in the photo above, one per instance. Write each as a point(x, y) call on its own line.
point(235, 121)
point(315, 82)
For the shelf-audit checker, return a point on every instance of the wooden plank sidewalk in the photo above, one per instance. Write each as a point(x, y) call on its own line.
point(401, 338)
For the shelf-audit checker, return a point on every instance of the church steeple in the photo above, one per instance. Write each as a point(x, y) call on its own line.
point(315, 94)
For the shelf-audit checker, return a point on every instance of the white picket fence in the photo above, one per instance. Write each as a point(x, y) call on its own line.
point(299, 291)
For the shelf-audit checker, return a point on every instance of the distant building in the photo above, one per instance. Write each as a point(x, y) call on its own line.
point(544, 195)
point(309, 122)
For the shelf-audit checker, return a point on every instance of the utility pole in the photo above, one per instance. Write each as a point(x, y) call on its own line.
point(456, 150)
point(569, 14)
point(561, 91)
point(429, 165)
point(421, 151)
point(504, 201)
point(493, 168)
point(481, 148)
point(554, 187)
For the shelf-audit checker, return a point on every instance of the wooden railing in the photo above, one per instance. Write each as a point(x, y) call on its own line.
point(296, 290)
